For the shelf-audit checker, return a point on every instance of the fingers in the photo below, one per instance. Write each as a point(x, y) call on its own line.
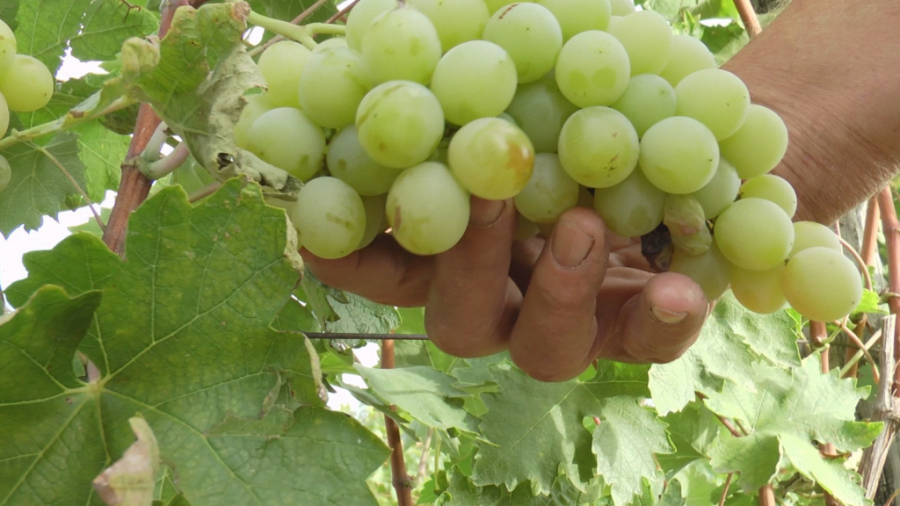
point(661, 322)
point(472, 304)
point(557, 326)
point(383, 272)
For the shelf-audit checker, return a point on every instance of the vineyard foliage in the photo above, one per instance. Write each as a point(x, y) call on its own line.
point(195, 341)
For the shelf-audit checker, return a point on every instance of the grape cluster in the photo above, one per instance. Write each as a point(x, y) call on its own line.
point(555, 104)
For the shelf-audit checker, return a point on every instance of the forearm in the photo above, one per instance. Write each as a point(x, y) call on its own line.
point(831, 69)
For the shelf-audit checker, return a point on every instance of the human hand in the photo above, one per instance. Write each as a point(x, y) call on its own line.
point(557, 305)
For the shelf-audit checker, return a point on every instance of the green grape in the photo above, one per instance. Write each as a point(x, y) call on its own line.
point(376, 218)
point(688, 55)
point(7, 46)
point(684, 218)
point(759, 291)
point(495, 5)
point(401, 44)
point(507, 117)
point(772, 188)
point(287, 139)
point(531, 36)
point(492, 158)
point(759, 145)
point(592, 69)
point(598, 147)
point(281, 65)
point(256, 106)
point(754, 234)
point(822, 284)
point(540, 110)
point(717, 98)
point(475, 79)
point(621, 7)
point(720, 191)
point(710, 270)
point(647, 100)
point(4, 116)
point(679, 155)
point(427, 209)
point(400, 123)
point(456, 21)
point(330, 217)
point(349, 162)
point(332, 86)
point(5, 173)
point(361, 16)
point(549, 193)
point(26, 84)
point(809, 234)
point(631, 208)
point(525, 228)
point(647, 38)
point(577, 16)
point(333, 42)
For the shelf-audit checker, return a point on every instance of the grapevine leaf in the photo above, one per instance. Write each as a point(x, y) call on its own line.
point(106, 24)
point(841, 482)
point(182, 337)
point(102, 152)
point(755, 456)
point(38, 186)
point(691, 430)
point(45, 27)
point(461, 492)
point(130, 480)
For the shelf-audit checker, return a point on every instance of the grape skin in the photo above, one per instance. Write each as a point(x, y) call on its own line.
point(541, 110)
point(716, 98)
point(4, 116)
point(631, 208)
point(711, 270)
point(492, 158)
point(679, 155)
point(549, 192)
point(287, 139)
point(822, 284)
point(27, 84)
point(427, 209)
point(721, 191)
point(8, 46)
point(754, 234)
point(349, 162)
point(773, 189)
point(621, 7)
point(647, 100)
point(598, 147)
point(809, 234)
point(688, 55)
point(578, 16)
point(593, 69)
point(5, 173)
point(376, 218)
point(759, 145)
point(759, 291)
point(647, 38)
point(332, 86)
point(475, 79)
point(361, 17)
point(281, 65)
point(456, 21)
point(531, 36)
point(401, 44)
point(255, 107)
point(329, 216)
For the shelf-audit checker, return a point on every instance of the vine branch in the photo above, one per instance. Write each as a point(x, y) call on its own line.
point(401, 480)
point(891, 226)
point(748, 17)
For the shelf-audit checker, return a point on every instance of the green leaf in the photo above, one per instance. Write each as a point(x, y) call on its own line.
point(45, 28)
point(870, 303)
point(102, 152)
point(461, 492)
point(106, 24)
point(755, 456)
point(831, 475)
point(692, 431)
point(182, 337)
point(38, 187)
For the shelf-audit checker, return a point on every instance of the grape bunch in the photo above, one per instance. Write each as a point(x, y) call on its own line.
point(552, 103)
point(26, 85)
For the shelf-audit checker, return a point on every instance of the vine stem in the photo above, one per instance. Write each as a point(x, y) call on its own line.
point(748, 17)
point(166, 165)
point(62, 168)
point(891, 226)
point(859, 261)
point(863, 348)
point(401, 480)
point(850, 367)
point(820, 332)
point(767, 496)
point(725, 489)
point(343, 12)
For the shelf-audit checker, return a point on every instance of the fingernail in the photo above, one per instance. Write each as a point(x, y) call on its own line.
point(570, 245)
point(668, 317)
point(486, 212)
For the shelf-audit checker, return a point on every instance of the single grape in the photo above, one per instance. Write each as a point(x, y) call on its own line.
point(598, 147)
point(822, 284)
point(754, 234)
point(717, 98)
point(5, 173)
point(475, 79)
point(721, 191)
point(457, 21)
point(361, 16)
point(679, 155)
point(401, 44)
point(592, 69)
point(281, 65)
point(710, 270)
point(759, 145)
point(495, 5)
point(349, 162)
point(809, 234)
point(27, 84)
point(531, 36)
point(376, 218)
point(525, 229)
point(287, 139)
point(8, 46)
point(577, 16)
point(333, 42)
point(256, 106)
point(427, 209)
point(332, 86)
point(621, 7)
point(540, 110)
point(647, 100)
point(688, 55)
point(492, 158)
point(329, 216)
point(400, 123)
point(549, 193)
point(684, 218)
point(631, 208)
point(772, 188)
point(647, 38)
point(759, 291)
point(4, 116)
point(507, 117)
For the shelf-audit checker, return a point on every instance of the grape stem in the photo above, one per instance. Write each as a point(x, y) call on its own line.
point(302, 34)
point(165, 165)
point(71, 179)
point(865, 350)
point(296, 21)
